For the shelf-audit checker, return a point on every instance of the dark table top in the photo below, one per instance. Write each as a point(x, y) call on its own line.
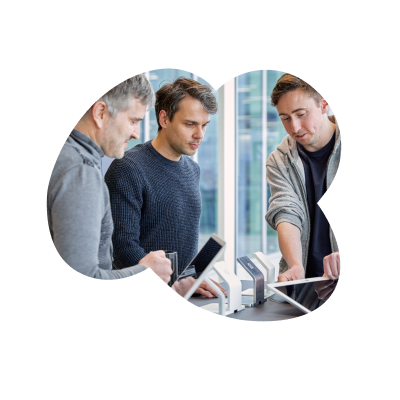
point(267, 311)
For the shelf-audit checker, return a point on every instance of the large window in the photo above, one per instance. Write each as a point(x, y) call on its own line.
point(258, 133)
point(275, 134)
point(250, 185)
point(207, 157)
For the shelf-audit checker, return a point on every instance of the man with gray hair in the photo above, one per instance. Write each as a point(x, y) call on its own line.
point(78, 204)
point(156, 185)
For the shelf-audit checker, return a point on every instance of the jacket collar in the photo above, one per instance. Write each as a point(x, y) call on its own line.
point(89, 145)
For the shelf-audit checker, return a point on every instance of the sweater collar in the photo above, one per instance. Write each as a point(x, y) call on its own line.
point(87, 143)
point(164, 160)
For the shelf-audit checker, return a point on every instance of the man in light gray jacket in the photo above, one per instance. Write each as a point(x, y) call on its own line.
point(78, 204)
point(299, 172)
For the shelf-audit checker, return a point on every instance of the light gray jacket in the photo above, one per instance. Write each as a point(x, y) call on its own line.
point(288, 202)
point(79, 212)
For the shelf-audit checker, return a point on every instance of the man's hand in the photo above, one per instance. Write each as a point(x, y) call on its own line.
point(183, 286)
point(160, 264)
point(206, 290)
point(292, 274)
point(332, 266)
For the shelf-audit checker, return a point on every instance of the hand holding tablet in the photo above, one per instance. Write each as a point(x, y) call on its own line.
point(202, 263)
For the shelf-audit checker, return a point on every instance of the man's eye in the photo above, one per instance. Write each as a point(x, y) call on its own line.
point(284, 119)
point(189, 124)
point(301, 115)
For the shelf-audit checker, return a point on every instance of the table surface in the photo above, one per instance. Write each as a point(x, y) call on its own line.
point(267, 311)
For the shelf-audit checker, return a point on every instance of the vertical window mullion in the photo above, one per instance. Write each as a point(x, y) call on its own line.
point(227, 172)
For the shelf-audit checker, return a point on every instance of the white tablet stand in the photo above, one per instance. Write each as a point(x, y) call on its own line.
point(257, 294)
point(233, 302)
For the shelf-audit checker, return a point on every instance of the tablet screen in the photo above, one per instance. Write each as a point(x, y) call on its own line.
point(204, 256)
point(310, 295)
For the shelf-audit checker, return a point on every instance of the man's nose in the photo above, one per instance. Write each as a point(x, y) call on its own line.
point(198, 133)
point(295, 125)
point(136, 132)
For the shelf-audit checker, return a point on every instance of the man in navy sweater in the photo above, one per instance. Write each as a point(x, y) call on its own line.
point(154, 190)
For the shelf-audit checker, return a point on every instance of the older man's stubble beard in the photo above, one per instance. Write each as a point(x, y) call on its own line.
point(115, 148)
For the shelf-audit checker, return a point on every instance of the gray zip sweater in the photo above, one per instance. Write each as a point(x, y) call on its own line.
point(288, 202)
point(78, 210)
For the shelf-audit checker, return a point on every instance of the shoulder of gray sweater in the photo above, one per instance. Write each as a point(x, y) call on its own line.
point(72, 156)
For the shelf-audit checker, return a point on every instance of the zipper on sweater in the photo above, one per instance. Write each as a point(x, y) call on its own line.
point(307, 210)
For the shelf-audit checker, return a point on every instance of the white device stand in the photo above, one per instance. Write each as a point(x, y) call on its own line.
point(233, 302)
point(269, 267)
point(270, 278)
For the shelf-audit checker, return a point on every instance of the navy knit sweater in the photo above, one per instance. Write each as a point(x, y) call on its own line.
point(155, 204)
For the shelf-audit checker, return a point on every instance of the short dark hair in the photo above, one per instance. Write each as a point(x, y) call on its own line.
point(170, 95)
point(287, 83)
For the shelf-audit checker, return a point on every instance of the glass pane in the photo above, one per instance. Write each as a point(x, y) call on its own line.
point(275, 134)
point(250, 165)
point(208, 162)
point(251, 159)
point(184, 73)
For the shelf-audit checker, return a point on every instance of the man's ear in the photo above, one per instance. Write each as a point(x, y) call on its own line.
point(324, 106)
point(163, 118)
point(100, 113)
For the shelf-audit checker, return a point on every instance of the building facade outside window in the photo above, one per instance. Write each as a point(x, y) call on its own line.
point(258, 133)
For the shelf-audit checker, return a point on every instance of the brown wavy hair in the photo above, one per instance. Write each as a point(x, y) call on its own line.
point(287, 83)
point(171, 94)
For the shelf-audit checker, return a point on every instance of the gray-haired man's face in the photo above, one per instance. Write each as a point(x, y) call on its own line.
point(122, 127)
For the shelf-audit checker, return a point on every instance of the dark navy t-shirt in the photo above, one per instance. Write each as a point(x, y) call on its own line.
point(315, 171)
